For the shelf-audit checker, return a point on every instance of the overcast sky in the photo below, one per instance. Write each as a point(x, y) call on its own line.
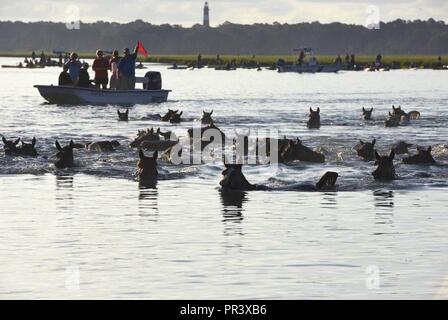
point(189, 12)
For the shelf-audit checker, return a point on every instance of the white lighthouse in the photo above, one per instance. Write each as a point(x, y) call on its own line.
point(206, 15)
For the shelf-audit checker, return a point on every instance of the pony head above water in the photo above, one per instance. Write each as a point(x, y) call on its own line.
point(386, 168)
point(169, 114)
point(206, 117)
point(367, 114)
point(10, 146)
point(147, 168)
point(65, 155)
point(175, 117)
point(123, 116)
point(234, 179)
point(145, 135)
point(295, 150)
point(423, 156)
point(314, 119)
point(28, 149)
point(366, 150)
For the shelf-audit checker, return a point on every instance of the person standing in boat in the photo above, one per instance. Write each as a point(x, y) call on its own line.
point(378, 60)
point(301, 57)
point(113, 63)
point(126, 70)
point(101, 66)
point(74, 67)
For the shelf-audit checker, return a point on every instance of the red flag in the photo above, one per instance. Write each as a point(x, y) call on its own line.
point(141, 49)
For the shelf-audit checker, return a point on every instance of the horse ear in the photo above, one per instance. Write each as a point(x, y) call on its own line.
point(72, 144)
point(17, 141)
point(373, 142)
point(211, 112)
point(4, 140)
point(158, 130)
point(127, 111)
point(393, 107)
point(318, 110)
point(181, 113)
point(311, 109)
point(176, 111)
point(429, 149)
point(154, 156)
point(363, 109)
point(371, 109)
point(58, 146)
point(362, 142)
point(392, 154)
point(377, 156)
point(141, 154)
point(118, 111)
point(33, 142)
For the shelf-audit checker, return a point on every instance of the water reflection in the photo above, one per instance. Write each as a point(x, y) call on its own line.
point(329, 200)
point(384, 204)
point(64, 192)
point(148, 203)
point(64, 182)
point(232, 211)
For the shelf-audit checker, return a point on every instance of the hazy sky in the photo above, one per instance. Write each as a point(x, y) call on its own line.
point(189, 12)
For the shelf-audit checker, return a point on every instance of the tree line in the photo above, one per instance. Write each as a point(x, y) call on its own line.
point(398, 37)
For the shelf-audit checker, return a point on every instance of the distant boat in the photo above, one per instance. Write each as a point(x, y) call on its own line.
point(176, 67)
point(311, 68)
point(36, 66)
point(140, 66)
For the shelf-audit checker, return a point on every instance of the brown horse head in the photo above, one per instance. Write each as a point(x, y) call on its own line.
point(10, 146)
point(206, 117)
point(234, 179)
point(295, 150)
point(314, 119)
point(123, 116)
point(366, 150)
point(169, 114)
point(28, 149)
point(147, 168)
point(392, 121)
point(367, 114)
point(64, 155)
point(175, 117)
point(386, 168)
point(145, 135)
point(423, 156)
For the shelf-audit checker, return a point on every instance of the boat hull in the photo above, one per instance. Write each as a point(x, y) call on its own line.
point(83, 96)
point(311, 69)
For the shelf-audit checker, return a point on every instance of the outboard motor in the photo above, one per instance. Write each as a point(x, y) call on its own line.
point(154, 81)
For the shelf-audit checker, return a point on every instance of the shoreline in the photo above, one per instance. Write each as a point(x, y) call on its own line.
point(394, 61)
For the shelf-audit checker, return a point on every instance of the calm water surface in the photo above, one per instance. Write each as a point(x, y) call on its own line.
point(90, 232)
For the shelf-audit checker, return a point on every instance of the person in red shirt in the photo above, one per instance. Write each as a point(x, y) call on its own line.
point(101, 66)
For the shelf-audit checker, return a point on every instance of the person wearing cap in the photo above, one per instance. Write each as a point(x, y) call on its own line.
point(113, 62)
point(74, 67)
point(100, 66)
point(126, 70)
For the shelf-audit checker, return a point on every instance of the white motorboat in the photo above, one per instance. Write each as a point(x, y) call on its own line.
point(150, 93)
